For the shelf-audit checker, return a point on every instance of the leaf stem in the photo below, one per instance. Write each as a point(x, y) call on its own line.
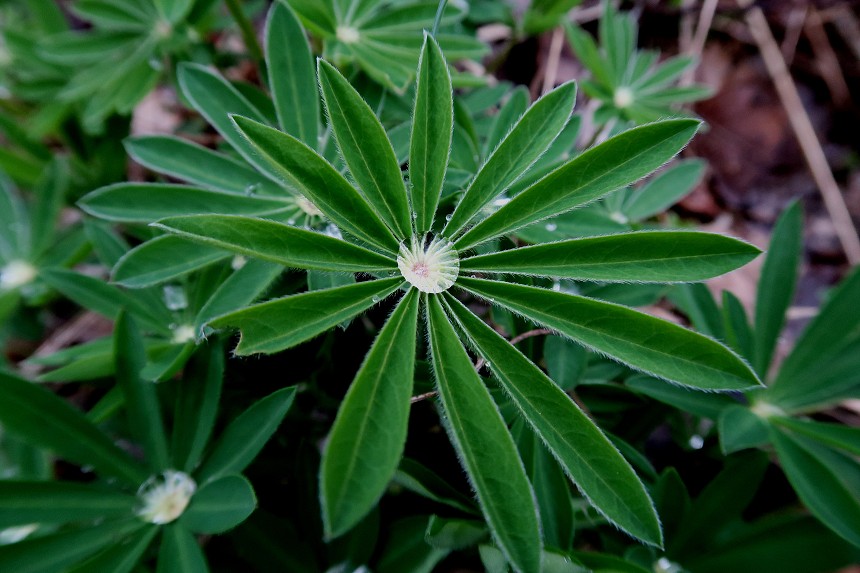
point(249, 34)
point(438, 19)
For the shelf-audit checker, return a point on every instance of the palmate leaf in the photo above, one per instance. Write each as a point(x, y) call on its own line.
point(617, 162)
point(430, 139)
point(366, 149)
point(649, 256)
point(120, 558)
point(775, 290)
point(162, 259)
point(215, 98)
point(179, 552)
point(278, 243)
point(317, 180)
point(528, 139)
point(484, 445)
point(147, 202)
point(199, 165)
point(22, 503)
point(291, 74)
point(141, 402)
point(642, 341)
point(43, 419)
point(826, 480)
point(219, 505)
point(57, 551)
point(369, 433)
point(243, 439)
point(282, 323)
point(197, 406)
point(592, 462)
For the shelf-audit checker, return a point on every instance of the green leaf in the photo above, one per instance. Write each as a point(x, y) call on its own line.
point(406, 549)
point(552, 488)
point(240, 289)
point(484, 445)
point(179, 552)
point(318, 181)
point(141, 400)
point(162, 259)
point(611, 165)
point(785, 543)
point(646, 256)
point(825, 363)
point(565, 361)
point(696, 301)
point(454, 534)
point(219, 505)
point(57, 551)
point(147, 202)
point(173, 10)
point(278, 324)
point(698, 403)
point(278, 243)
point(430, 139)
point(421, 480)
point(827, 481)
point(291, 75)
point(363, 452)
point(243, 439)
point(22, 503)
point(586, 455)
point(642, 341)
point(216, 99)
point(196, 164)
point(107, 300)
point(740, 428)
point(720, 503)
point(46, 420)
point(197, 406)
point(49, 195)
point(121, 557)
point(664, 190)
point(524, 144)
point(14, 222)
point(365, 149)
point(836, 436)
point(777, 283)
point(739, 335)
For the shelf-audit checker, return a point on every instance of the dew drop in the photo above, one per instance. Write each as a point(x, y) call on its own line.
point(174, 297)
point(375, 298)
point(696, 442)
point(291, 221)
point(449, 216)
point(551, 227)
point(556, 286)
point(252, 189)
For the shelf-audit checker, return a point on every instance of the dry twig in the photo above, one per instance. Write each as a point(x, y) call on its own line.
point(804, 131)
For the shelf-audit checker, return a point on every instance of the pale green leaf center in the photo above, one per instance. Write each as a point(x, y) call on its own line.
point(164, 498)
point(430, 267)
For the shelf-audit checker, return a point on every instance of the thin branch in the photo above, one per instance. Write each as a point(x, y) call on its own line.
point(804, 131)
point(249, 34)
point(552, 60)
point(697, 44)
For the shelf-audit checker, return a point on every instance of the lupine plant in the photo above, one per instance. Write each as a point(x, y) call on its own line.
point(180, 488)
point(431, 272)
point(394, 236)
point(631, 84)
point(817, 457)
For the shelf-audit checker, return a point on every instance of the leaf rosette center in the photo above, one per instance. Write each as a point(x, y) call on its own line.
point(165, 497)
point(429, 266)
